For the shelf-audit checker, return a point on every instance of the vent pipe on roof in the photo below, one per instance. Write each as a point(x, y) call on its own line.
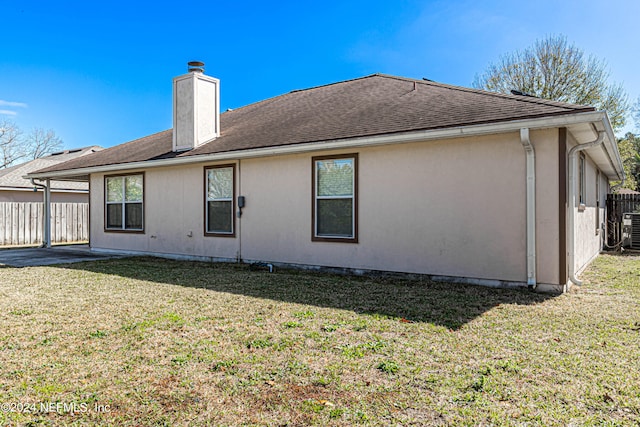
point(196, 108)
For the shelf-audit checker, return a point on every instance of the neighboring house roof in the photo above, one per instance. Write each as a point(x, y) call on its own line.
point(369, 106)
point(11, 178)
point(626, 191)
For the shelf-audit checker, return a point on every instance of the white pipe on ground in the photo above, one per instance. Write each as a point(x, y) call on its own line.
point(572, 203)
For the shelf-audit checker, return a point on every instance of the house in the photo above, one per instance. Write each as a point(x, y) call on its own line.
point(22, 210)
point(14, 187)
point(378, 173)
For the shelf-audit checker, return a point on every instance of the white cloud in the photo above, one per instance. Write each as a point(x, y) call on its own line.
point(4, 103)
point(10, 104)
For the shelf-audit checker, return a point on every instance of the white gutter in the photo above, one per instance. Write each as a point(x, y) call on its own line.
point(425, 135)
point(46, 238)
point(612, 145)
point(613, 141)
point(31, 190)
point(572, 202)
point(531, 206)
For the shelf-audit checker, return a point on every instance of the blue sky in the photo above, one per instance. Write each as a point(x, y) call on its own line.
point(99, 72)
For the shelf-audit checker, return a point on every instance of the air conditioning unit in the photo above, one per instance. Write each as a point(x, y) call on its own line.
point(631, 230)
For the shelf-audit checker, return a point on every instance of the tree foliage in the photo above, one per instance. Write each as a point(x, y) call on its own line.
point(11, 147)
point(16, 146)
point(40, 142)
point(556, 70)
point(629, 147)
point(636, 114)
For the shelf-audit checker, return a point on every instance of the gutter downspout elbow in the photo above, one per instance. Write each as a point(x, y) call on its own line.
point(531, 207)
point(572, 202)
point(35, 184)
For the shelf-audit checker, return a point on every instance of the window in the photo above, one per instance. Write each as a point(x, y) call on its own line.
point(582, 183)
point(124, 209)
point(219, 200)
point(335, 203)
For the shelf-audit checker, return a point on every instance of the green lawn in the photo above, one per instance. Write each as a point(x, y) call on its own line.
point(143, 341)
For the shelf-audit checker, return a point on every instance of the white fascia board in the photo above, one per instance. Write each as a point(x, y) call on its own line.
point(53, 190)
point(347, 143)
point(611, 147)
point(3, 188)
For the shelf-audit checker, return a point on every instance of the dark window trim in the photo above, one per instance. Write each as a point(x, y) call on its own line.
point(582, 182)
point(233, 201)
point(144, 211)
point(316, 238)
point(598, 202)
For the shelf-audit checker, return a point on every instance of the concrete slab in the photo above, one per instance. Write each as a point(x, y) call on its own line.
point(28, 257)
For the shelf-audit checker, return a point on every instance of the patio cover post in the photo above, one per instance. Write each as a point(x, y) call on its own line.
point(47, 215)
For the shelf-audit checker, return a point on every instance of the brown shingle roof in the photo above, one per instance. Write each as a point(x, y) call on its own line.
point(367, 106)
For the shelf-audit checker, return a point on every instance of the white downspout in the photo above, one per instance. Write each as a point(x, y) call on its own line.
point(46, 238)
point(572, 203)
point(531, 207)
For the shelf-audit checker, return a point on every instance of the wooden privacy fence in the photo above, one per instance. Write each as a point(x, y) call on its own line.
point(21, 223)
point(618, 204)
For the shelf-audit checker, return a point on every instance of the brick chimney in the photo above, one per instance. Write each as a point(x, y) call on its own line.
point(196, 108)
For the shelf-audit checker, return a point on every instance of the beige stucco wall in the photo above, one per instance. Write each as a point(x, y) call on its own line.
point(589, 234)
point(453, 207)
point(173, 217)
point(547, 204)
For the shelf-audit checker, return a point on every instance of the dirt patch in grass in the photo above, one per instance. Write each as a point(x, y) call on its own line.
point(154, 342)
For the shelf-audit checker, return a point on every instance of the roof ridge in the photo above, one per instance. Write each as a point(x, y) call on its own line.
point(282, 95)
point(334, 83)
point(530, 99)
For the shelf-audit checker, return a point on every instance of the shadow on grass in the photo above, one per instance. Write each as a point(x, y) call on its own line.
point(445, 304)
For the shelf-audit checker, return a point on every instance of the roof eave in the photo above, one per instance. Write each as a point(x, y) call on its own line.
point(53, 190)
point(598, 117)
point(611, 146)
